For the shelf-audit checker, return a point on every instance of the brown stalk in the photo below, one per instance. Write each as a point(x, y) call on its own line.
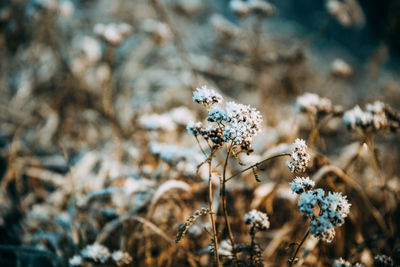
point(215, 237)
point(223, 196)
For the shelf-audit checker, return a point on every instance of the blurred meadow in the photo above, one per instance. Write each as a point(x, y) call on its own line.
point(123, 143)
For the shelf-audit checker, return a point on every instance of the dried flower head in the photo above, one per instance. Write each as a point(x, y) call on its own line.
point(301, 184)
point(244, 124)
point(257, 219)
point(374, 118)
point(235, 122)
point(315, 105)
point(113, 33)
point(334, 208)
point(383, 261)
point(194, 127)
point(239, 7)
point(299, 158)
point(96, 253)
point(347, 12)
point(262, 7)
point(207, 97)
point(121, 258)
point(225, 248)
point(184, 228)
point(76, 261)
point(341, 68)
point(341, 263)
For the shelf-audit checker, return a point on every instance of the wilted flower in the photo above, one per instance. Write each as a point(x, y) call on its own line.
point(257, 219)
point(299, 158)
point(96, 252)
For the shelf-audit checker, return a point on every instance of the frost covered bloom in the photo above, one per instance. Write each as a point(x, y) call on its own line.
point(207, 97)
point(299, 158)
point(341, 263)
point(313, 104)
point(244, 124)
point(121, 258)
point(334, 208)
point(194, 127)
point(76, 260)
point(236, 123)
point(383, 261)
point(301, 184)
point(257, 219)
point(96, 253)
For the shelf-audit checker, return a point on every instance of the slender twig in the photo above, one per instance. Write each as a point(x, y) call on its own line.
point(223, 196)
point(292, 259)
point(257, 165)
point(210, 200)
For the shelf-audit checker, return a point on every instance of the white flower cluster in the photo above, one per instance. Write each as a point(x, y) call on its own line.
point(373, 118)
point(383, 261)
point(341, 263)
point(207, 97)
point(121, 258)
point(341, 68)
point(244, 8)
point(96, 253)
point(235, 122)
point(113, 33)
point(75, 261)
point(313, 104)
point(299, 158)
point(257, 219)
point(301, 184)
point(348, 12)
point(334, 208)
point(225, 248)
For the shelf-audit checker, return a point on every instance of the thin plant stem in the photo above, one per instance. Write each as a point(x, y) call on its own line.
point(201, 148)
point(223, 196)
point(371, 146)
point(257, 164)
point(292, 259)
point(210, 200)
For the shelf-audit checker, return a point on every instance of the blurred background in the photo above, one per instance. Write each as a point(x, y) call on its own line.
point(92, 91)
